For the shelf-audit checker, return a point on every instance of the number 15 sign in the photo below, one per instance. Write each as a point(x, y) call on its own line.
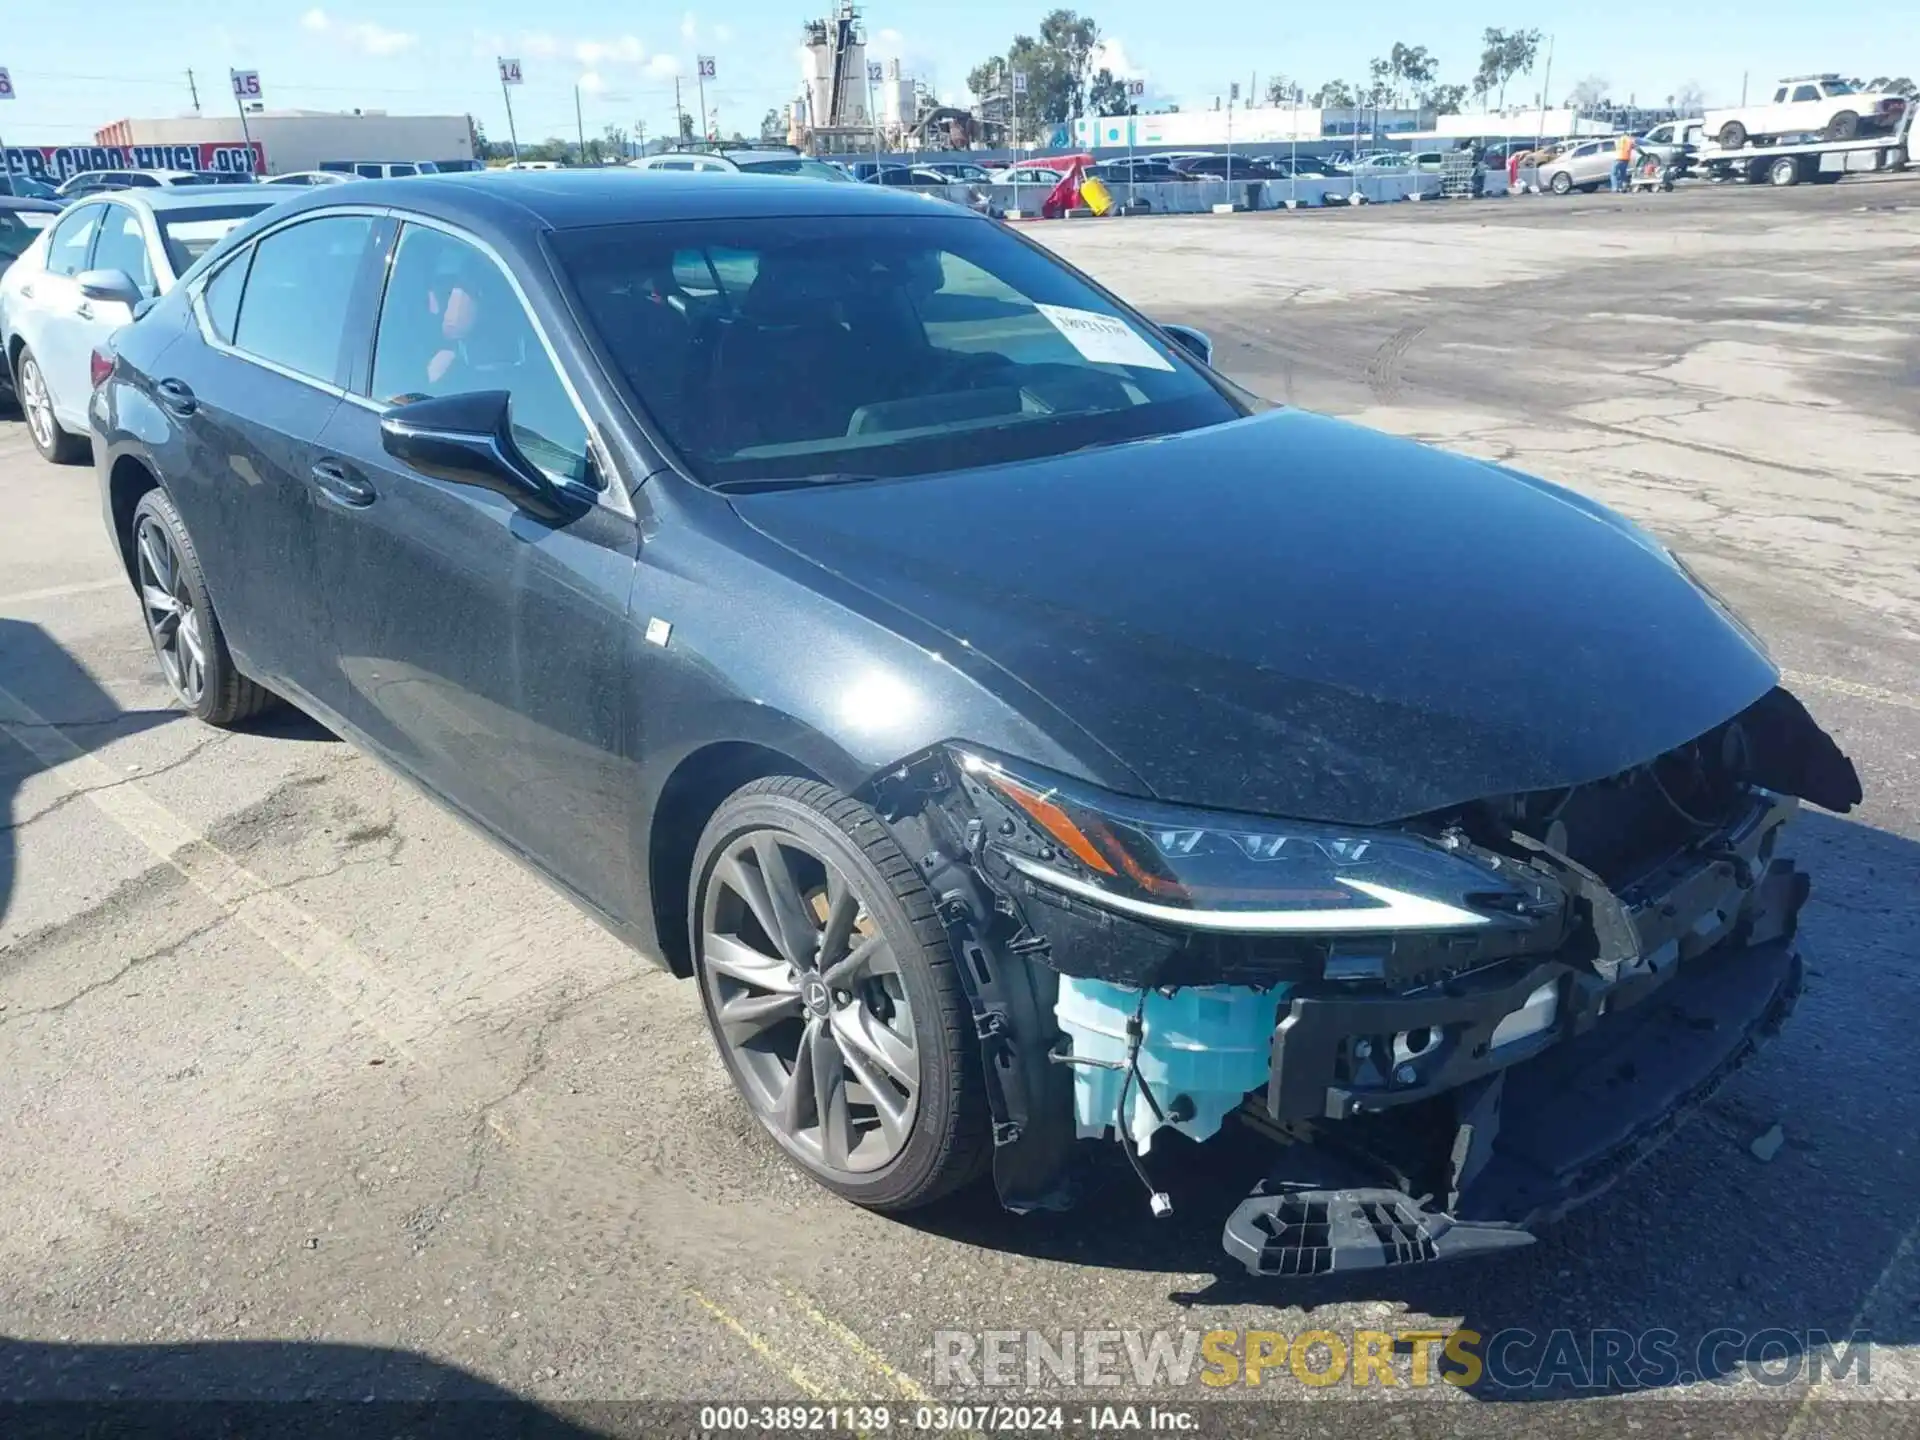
point(246, 85)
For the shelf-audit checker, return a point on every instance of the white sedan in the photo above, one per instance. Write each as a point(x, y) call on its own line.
point(82, 279)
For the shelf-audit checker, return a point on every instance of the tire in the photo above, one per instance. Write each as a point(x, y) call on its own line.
point(1843, 126)
point(1784, 171)
point(946, 1141)
point(1561, 184)
point(192, 651)
point(56, 446)
point(1733, 135)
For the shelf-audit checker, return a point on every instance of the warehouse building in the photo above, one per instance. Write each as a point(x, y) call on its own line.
point(307, 139)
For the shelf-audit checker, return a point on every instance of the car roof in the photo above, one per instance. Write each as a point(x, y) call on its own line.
point(169, 201)
point(28, 202)
point(573, 199)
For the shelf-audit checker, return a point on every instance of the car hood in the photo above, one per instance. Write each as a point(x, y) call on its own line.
point(1295, 616)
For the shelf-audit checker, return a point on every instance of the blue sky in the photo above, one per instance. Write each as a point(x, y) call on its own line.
point(437, 57)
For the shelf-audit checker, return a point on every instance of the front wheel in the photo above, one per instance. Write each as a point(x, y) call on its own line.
point(1733, 135)
point(1561, 184)
point(36, 403)
point(1784, 171)
point(186, 634)
point(833, 995)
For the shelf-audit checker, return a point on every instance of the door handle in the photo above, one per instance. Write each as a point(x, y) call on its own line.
point(84, 310)
point(176, 396)
point(339, 483)
point(26, 292)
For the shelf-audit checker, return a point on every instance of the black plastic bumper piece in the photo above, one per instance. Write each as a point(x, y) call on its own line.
point(1572, 1122)
point(1319, 1232)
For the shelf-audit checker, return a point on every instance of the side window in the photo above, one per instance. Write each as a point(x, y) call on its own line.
point(294, 310)
point(221, 294)
point(1780, 96)
point(402, 169)
point(72, 240)
point(133, 179)
point(123, 246)
point(369, 172)
point(451, 323)
point(1802, 93)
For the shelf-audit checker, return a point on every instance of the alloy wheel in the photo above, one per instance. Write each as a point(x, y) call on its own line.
point(808, 1000)
point(37, 404)
point(173, 621)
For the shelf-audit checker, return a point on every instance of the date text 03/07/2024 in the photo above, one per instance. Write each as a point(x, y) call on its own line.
point(935, 1417)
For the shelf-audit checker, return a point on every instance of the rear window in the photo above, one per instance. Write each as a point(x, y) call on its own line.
point(780, 348)
point(190, 235)
point(194, 179)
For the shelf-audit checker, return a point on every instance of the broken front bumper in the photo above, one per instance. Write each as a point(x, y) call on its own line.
point(1598, 1093)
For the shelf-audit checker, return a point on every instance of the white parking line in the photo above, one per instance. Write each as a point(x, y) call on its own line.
point(1833, 685)
point(59, 592)
point(330, 960)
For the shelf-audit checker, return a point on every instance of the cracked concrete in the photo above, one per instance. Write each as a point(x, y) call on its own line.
point(206, 1138)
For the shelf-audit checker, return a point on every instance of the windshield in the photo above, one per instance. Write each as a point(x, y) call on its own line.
point(795, 165)
point(1837, 87)
point(191, 234)
point(770, 348)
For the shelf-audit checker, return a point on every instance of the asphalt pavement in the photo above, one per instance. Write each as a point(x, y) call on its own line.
point(310, 1091)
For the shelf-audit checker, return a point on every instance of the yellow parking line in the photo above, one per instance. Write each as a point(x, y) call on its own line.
point(905, 1384)
point(329, 960)
point(60, 592)
point(1901, 1254)
point(766, 1352)
point(1833, 685)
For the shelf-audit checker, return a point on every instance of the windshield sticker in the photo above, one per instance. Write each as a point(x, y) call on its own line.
point(1103, 339)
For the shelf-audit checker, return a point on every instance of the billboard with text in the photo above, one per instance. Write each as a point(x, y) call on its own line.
point(54, 163)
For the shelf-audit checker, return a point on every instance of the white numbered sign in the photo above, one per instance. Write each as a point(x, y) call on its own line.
point(6, 85)
point(1136, 88)
point(509, 72)
point(246, 84)
point(874, 72)
point(706, 67)
point(1019, 82)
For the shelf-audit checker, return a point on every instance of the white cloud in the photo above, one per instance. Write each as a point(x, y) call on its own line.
point(723, 33)
point(539, 44)
point(592, 83)
point(372, 39)
point(362, 35)
point(1112, 55)
point(689, 27)
point(663, 67)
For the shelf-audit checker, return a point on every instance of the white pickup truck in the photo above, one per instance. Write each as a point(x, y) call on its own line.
point(1808, 105)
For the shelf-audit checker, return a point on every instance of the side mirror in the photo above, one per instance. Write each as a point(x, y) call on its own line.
point(114, 285)
point(468, 440)
point(1195, 342)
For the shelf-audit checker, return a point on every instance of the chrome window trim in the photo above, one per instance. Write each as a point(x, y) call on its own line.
point(611, 494)
point(212, 339)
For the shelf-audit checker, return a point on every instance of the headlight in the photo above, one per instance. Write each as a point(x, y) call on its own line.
point(1213, 871)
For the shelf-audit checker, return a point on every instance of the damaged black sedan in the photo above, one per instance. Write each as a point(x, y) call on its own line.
point(1026, 740)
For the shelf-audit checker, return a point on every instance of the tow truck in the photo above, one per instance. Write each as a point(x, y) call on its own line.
point(1813, 158)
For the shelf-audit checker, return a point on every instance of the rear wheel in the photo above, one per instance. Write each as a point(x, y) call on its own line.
point(1843, 126)
point(36, 403)
point(186, 634)
point(1733, 135)
point(833, 995)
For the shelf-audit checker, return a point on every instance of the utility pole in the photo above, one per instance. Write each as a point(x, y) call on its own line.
point(679, 115)
point(579, 129)
point(194, 91)
point(1546, 90)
